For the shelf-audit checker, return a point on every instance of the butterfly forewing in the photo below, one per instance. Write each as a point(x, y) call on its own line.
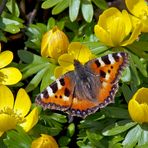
point(109, 69)
point(58, 95)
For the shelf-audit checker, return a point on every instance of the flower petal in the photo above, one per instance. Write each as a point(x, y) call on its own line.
point(80, 52)
point(136, 32)
point(31, 120)
point(127, 21)
point(6, 97)
point(61, 70)
point(5, 58)
point(22, 103)
point(1, 133)
point(11, 75)
point(137, 7)
point(66, 60)
point(103, 36)
point(106, 18)
point(135, 110)
point(141, 95)
point(117, 31)
point(7, 122)
point(45, 141)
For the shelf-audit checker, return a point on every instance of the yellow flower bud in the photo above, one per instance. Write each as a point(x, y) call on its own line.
point(54, 43)
point(138, 106)
point(115, 28)
point(45, 141)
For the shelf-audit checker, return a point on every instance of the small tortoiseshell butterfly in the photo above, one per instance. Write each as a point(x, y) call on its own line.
point(86, 89)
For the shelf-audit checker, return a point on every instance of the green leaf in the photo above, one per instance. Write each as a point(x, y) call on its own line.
point(74, 6)
point(48, 77)
point(140, 65)
point(71, 129)
point(87, 10)
point(118, 127)
point(51, 23)
point(143, 140)
point(126, 92)
point(33, 69)
point(25, 56)
point(60, 7)
point(126, 75)
point(17, 138)
point(132, 137)
point(94, 138)
point(13, 7)
point(101, 4)
point(36, 80)
point(135, 78)
point(96, 47)
point(10, 23)
point(115, 112)
point(49, 3)
point(139, 48)
point(35, 33)
point(2, 37)
point(64, 141)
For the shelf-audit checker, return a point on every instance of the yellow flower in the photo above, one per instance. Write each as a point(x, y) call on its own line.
point(115, 28)
point(54, 43)
point(45, 141)
point(139, 8)
point(12, 114)
point(138, 106)
point(75, 51)
point(8, 75)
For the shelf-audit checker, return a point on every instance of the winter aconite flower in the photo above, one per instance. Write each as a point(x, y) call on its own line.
point(8, 75)
point(115, 28)
point(54, 43)
point(139, 8)
point(138, 106)
point(16, 113)
point(76, 51)
point(45, 141)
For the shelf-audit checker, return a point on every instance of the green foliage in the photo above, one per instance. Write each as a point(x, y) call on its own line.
point(74, 6)
point(17, 138)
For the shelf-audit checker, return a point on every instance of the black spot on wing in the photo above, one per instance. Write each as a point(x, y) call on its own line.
point(102, 74)
point(97, 63)
point(116, 57)
point(54, 87)
point(45, 94)
point(62, 82)
point(106, 60)
point(67, 92)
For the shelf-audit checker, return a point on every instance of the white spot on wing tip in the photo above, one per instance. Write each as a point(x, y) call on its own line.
point(101, 62)
point(59, 84)
point(50, 91)
point(111, 59)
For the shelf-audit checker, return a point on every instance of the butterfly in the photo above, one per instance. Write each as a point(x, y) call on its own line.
point(87, 88)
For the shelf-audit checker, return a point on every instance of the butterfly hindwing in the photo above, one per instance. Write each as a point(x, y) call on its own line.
point(58, 95)
point(109, 69)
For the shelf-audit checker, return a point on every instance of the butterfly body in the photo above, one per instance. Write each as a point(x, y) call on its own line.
point(86, 89)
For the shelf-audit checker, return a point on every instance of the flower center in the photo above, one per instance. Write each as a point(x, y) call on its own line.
point(2, 77)
point(14, 114)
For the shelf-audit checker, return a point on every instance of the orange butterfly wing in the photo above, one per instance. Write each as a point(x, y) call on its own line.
point(61, 94)
point(109, 69)
point(57, 96)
